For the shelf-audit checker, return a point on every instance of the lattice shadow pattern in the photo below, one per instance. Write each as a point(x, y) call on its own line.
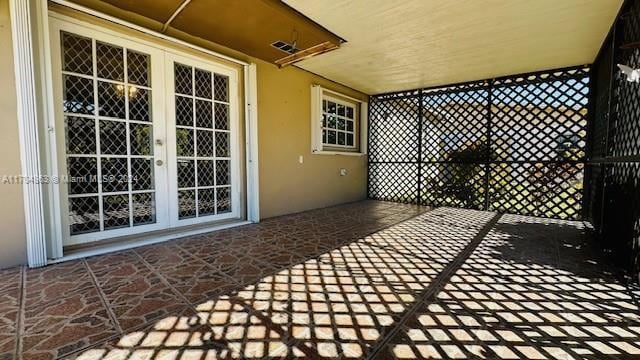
point(515, 144)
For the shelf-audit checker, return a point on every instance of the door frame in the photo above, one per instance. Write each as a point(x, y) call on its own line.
point(32, 64)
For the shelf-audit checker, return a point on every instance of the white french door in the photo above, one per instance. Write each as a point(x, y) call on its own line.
point(147, 138)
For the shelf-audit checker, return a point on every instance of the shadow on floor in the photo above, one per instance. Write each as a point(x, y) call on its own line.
point(532, 289)
point(444, 284)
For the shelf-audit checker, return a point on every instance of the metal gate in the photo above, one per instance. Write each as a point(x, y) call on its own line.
point(512, 144)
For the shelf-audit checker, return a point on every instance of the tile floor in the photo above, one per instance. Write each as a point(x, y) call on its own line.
point(368, 279)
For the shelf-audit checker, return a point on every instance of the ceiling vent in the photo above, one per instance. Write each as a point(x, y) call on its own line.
point(284, 46)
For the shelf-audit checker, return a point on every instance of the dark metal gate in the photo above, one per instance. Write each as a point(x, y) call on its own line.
point(513, 144)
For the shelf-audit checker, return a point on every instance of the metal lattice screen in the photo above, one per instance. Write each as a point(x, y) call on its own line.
point(613, 166)
point(514, 144)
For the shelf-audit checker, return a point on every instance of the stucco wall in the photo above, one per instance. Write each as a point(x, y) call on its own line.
point(284, 126)
point(284, 134)
point(12, 231)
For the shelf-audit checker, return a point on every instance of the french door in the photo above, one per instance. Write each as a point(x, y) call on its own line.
point(146, 139)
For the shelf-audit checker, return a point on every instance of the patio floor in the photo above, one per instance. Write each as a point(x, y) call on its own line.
point(371, 278)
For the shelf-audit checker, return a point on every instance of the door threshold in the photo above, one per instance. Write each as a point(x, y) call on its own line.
point(130, 242)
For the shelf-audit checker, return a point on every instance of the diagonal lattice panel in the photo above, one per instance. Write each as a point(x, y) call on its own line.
point(613, 168)
point(514, 144)
point(394, 182)
point(548, 190)
point(544, 76)
point(560, 191)
point(625, 130)
point(454, 125)
point(602, 77)
point(394, 130)
point(541, 121)
point(453, 184)
point(621, 212)
point(513, 188)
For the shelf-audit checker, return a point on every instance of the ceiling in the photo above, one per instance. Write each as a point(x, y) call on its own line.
point(249, 26)
point(405, 44)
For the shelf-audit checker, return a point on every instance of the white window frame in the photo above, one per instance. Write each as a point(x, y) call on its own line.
point(318, 147)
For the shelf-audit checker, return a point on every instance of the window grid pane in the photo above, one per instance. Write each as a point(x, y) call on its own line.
point(338, 124)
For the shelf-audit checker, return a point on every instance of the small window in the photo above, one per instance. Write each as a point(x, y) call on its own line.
point(337, 123)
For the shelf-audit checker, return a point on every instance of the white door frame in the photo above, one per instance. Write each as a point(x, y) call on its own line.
point(27, 111)
point(34, 77)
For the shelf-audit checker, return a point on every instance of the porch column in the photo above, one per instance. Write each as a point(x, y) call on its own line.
point(22, 33)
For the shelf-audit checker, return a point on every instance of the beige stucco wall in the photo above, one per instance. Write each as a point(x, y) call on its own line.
point(12, 230)
point(284, 134)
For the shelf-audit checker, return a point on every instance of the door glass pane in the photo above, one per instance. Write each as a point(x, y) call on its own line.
point(202, 105)
point(204, 114)
point(83, 175)
point(184, 142)
point(203, 84)
point(110, 61)
point(184, 111)
point(111, 102)
point(207, 202)
point(142, 176)
point(115, 211)
point(141, 139)
point(222, 116)
point(183, 79)
point(186, 204)
point(78, 95)
point(223, 200)
point(144, 209)
point(84, 214)
point(76, 54)
point(109, 151)
point(205, 143)
point(139, 103)
point(221, 87)
point(114, 174)
point(138, 68)
point(113, 138)
point(80, 135)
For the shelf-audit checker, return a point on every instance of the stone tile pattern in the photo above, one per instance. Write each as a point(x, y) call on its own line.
point(368, 279)
point(64, 309)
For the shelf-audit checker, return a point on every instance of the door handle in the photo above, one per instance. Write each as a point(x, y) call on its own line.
point(159, 142)
point(159, 162)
